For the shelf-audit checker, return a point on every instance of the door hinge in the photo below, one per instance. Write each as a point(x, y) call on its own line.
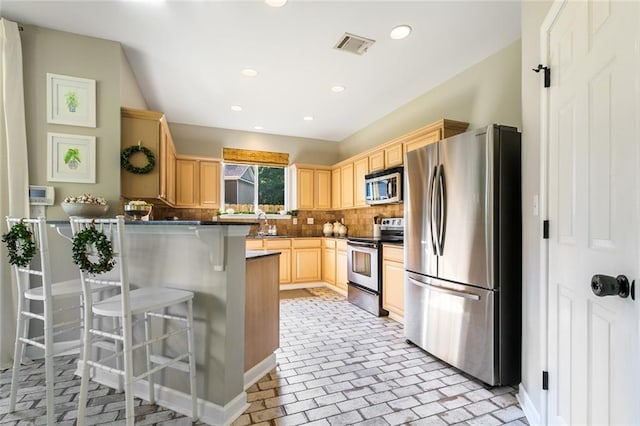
point(545, 380)
point(547, 74)
point(545, 229)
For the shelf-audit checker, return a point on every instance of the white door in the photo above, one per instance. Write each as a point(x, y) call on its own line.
point(593, 211)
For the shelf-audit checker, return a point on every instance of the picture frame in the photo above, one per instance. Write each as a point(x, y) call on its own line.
point(71, 100)
point(71, 158)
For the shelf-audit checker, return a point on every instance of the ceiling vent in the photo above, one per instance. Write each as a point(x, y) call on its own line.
point(353, 43)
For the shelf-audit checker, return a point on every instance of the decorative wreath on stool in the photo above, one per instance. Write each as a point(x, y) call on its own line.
point(103, 247)
point(128, 152)
point(20, 244)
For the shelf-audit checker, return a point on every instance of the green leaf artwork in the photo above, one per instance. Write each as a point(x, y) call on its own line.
point(71, 99)
point(72, 158)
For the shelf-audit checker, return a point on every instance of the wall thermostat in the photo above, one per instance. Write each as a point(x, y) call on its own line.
point(41, 195)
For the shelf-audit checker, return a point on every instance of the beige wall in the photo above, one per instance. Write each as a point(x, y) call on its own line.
point(533, 323)
point(44, 51)
point(488, 92)
point(130, 93)
point(209, 141)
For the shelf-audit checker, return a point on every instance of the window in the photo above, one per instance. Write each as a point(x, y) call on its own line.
point(248, 188)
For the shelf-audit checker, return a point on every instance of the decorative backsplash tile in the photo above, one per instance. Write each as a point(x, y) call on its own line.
point(359, 221)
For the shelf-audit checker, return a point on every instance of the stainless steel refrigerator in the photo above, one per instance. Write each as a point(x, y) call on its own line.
point(463, 252)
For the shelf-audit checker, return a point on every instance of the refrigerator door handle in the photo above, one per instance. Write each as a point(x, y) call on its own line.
point(450, 292)
point(442, 226)
point(431, 208)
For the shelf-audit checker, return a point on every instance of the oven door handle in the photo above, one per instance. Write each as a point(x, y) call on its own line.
point(372, 247)
point(448, 291)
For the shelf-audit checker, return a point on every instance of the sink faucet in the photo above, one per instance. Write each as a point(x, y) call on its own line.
point(264, 226)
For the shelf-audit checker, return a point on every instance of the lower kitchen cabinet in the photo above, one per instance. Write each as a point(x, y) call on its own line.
point(341, 264)
point(283, 245)
point(329, 261)
point(393, 279)
point(307, 259)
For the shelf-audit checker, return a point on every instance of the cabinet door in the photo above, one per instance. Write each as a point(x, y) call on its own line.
point(305, 189)
point(336, 188)
point(210, 184)
point(376, 160)
point(322, 189)
point(360, 169)
point(341, 269)
point(307, 264)
point(253, 244)
point(393, 286)
point(347, 186)
point(283, 246)
point(423, 140)
point(187, 183)
point(329, 266)
point(393, 156)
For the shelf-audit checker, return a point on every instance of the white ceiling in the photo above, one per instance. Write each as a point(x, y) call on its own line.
point(187, 55)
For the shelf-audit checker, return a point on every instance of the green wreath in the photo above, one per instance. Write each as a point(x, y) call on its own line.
point(103, 247)
point(20, 244)
point(128, 152)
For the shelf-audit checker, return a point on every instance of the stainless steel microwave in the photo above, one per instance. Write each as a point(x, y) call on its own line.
point(384, 186)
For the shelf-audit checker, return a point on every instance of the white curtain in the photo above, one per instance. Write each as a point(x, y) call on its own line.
point(14, 175)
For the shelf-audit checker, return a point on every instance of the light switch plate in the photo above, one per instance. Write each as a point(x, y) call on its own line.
point(309, 221)
point(295, 220)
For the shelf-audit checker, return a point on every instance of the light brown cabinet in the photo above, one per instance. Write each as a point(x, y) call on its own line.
point(150, 130)
point(329, 261)
point(336, 188)
point(393, 279)
point(310, 187)
point(360, 169)
point(197, 182)
point(376, 160)
point(283, 245)
point(393, 156)
point(307, 259)
point(346, 187)
point(341, 264)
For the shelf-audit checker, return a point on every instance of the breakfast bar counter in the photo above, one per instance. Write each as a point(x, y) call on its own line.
point(207, 258)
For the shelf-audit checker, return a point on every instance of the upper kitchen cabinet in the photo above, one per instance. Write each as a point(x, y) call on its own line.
point(432, 133)
point(310, 187)
point(383, 158)
point(150, 130)
point(336, 188)
point(197, 182)
point(360, 169)
point(346, 189)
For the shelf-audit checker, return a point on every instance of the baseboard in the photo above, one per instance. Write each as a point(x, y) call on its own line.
point(259, 370)
point(396, 317)
point(180, 402)
point(298, 286)
point(533, 417)
point(335, 288)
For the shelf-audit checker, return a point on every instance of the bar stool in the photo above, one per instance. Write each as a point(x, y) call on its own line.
point(147, 302)
point(47, 293)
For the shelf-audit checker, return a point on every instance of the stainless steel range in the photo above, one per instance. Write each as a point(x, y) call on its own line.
point(364, 263)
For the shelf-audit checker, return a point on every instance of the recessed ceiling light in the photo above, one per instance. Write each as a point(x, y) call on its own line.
point(249, 72)
point(400, 32)
point(236, 108)
point(337, 89)
point(308, 118)
point(276, 3)
point(258, 127)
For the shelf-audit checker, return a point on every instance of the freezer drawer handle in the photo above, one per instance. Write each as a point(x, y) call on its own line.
point(462, 294)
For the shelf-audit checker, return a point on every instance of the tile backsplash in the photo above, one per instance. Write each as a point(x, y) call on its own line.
point(359, 221)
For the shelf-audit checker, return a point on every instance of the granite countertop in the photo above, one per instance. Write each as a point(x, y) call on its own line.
point(254, 254)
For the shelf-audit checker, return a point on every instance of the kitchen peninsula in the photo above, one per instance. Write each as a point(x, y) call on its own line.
point(207, 258)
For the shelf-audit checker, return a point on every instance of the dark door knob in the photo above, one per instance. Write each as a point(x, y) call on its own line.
point(604, 285)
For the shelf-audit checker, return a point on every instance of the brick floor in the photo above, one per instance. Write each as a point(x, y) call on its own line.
point(337, 365)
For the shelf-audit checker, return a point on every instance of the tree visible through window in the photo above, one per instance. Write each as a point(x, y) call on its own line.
point(248, 188)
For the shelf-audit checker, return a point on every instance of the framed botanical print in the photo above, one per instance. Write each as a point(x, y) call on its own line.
point(71, 158)
point(71, 100)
